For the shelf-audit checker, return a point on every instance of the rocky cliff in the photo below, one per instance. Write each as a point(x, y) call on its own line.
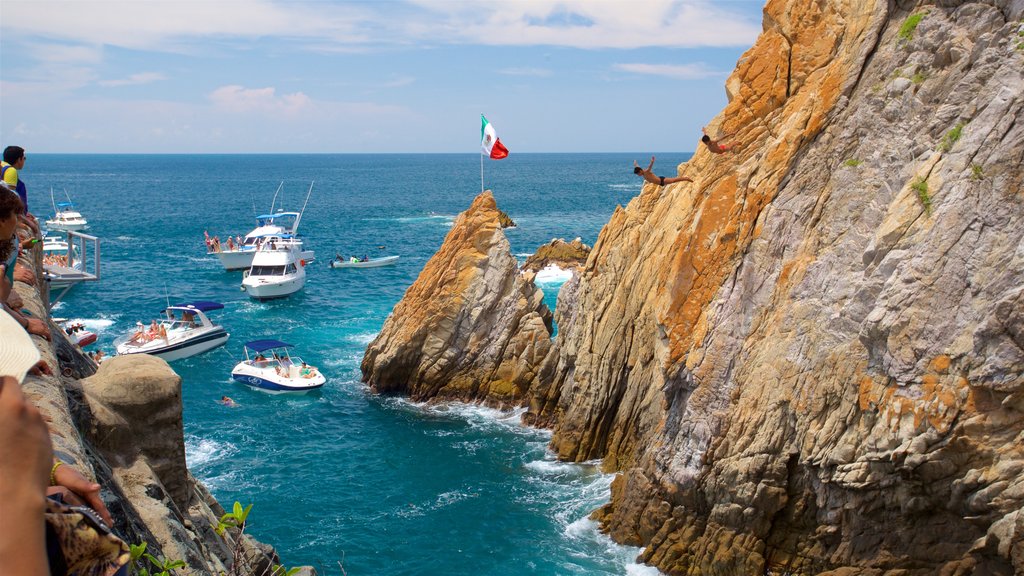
point(809, 360)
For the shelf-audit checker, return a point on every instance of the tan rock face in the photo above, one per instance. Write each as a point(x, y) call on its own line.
point(809, 360)
point(819, 370)
point(470, 327)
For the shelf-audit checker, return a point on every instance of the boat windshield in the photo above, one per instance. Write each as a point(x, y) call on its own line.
point(269, 270)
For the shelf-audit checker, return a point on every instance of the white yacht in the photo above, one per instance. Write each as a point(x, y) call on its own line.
point(184, 331)
point(65, 217)
point(238, 256)
point(274, 370)
point(278, 268)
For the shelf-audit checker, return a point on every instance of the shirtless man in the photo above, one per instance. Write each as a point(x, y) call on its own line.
point(659, 180)
point(713, 145)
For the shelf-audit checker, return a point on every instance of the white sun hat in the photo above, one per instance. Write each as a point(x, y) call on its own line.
point(18, 353)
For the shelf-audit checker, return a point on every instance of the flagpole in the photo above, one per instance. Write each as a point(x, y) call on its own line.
point(481, 172)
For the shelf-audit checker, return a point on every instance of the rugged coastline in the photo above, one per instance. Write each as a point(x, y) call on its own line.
point(809, 360)
point(120, 424)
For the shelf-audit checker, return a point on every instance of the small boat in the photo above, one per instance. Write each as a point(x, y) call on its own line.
point(368, 263)
point(78, 334)
point(239, 256)
point(184, 331)
point(272, 368)
point(278, 269)
point(65, 218)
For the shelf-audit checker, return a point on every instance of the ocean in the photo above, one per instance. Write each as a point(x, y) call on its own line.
point(378, 484)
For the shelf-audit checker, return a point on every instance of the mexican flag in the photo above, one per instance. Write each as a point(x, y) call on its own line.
point(489, 141)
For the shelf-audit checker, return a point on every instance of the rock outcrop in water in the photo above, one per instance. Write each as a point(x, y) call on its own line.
point(470, 327)
point(810, 360)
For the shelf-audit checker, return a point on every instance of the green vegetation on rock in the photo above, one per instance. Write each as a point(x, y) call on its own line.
point(920, 185)
point(909, 25)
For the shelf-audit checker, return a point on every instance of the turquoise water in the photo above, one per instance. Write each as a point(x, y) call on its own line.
point(379, 484)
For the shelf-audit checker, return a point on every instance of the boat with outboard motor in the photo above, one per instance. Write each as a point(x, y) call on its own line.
point(278, 268)
point(239, 256)
point(183, 331)
point(65, 218)
point(354, 262)
point(271, 368)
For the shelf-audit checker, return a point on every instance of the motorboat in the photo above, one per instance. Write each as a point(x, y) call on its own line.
point(65, 217)
point(239, 255)
point(278, 268)
point(183, 331)
point(271, 368)
point(77, 332)
point(354, 262)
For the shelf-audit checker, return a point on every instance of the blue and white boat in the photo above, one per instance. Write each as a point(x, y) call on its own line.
point(183, 331)
point(271, 368)
point(65, 218)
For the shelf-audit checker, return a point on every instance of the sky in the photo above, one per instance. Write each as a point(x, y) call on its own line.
point(367, 76)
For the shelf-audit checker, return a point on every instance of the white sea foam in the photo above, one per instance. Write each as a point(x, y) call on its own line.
point(524, 254)
point(363, 338)
point(552, 274)
point(202, 451)
point(93, 324)
point(635, 569)
point(625, 186)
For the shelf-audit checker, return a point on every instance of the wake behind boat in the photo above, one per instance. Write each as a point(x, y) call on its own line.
point(354, 262)
point(276, 371)
point(185, 331)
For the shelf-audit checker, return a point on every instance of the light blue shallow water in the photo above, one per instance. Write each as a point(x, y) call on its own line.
point(379, 484)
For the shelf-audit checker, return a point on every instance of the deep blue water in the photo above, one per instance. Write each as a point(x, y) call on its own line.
point(379, 484)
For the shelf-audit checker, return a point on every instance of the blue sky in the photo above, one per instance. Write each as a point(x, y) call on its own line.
point(238, 76)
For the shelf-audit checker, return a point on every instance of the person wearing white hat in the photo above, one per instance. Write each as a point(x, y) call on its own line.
point(26, 457)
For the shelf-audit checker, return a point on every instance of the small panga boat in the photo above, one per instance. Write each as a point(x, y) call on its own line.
point(369, 263)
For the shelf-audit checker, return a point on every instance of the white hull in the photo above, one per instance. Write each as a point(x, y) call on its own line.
point(264, 288)
point(236, 259)
point(176, 349)
point(270, 380)
point(54, 225)
point(371, 263)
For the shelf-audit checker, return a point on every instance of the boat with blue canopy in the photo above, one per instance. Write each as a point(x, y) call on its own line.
point(65, 218)
point(272, 368)
point(184, 330)
point(239, 255)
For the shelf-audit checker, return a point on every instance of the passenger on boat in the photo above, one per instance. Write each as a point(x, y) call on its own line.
point(189, 318)
point(231, 243)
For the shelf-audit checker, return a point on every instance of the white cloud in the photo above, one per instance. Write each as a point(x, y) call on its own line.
point(679, 71)
point(173, 26)
point(134, 79)
point(240, 99)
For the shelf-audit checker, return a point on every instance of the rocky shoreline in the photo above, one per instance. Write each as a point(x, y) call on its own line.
point(120, 424)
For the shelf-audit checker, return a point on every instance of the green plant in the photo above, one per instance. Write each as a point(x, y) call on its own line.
point(279, 570)
point(909, 25)
point(977, 172)
point(234, 519)
point(852, 162)
point(951, 138)
point(163, 566)
point(918, 77)
point(920, 185)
